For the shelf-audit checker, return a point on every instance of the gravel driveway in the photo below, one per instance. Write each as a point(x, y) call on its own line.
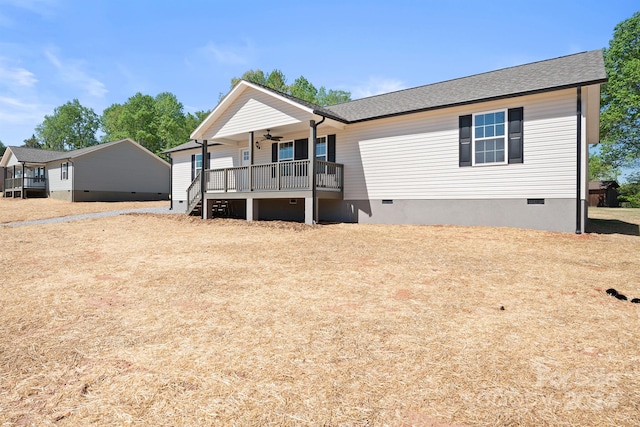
point(156, 210)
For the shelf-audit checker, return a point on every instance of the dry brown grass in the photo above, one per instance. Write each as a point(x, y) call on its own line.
point(32, 209)
point(169, 320)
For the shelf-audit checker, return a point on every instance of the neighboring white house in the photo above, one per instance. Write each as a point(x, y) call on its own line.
point(504, 148)
point(113, 171)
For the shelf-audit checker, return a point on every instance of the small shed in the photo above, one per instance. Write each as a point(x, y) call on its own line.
point(604, 194)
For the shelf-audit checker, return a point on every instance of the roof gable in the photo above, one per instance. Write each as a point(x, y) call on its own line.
point(250, 107)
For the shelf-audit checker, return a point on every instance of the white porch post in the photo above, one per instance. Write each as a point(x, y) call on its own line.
point(308, 210)
point(252, 209)
point(250, 173)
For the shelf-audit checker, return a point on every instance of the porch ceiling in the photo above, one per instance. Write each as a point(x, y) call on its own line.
point(285, 131)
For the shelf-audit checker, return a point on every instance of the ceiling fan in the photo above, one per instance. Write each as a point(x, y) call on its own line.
point(268, 137)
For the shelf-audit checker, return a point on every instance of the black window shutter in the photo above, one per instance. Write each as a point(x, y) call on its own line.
point(331, 148)
point(516, 143)
point(465, 123)
point(208, 165)
point(301, 149)
point(193, 166)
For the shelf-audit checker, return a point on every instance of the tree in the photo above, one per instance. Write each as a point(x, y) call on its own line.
point(276, 80)
point(332, 97)
point(171, 123)
point(192, 121)
point(71, 126)
point(156, 123)
point(2, 148)
point(620, 102)
point(601, 170)
point(32, 142)
point(254, 76)
point(301, 87)
point(630, 191)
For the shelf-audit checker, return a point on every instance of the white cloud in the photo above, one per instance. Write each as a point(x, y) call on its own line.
point(377, 86)
point(72, 72)
point(16, 76)
point(226, 55)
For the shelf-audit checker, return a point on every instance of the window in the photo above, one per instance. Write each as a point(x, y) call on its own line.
point(196, 163)
point(321, 148)
point(285, 151)
point(494, 137)
point(489, 137)
point(64, 170)
point(39, 174)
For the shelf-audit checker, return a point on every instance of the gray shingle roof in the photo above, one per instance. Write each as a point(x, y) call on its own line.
point(38, 155)
point(35, 155)
point(188, 145)
point(564, 72)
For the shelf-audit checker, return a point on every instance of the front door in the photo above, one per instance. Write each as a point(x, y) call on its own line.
point(244, 157)
point(243, 174)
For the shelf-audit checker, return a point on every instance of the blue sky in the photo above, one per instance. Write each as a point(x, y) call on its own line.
point(104, 51)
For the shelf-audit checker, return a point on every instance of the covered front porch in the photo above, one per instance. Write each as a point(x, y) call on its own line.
point(265, 145)
point(287, 181)
point(26, 180)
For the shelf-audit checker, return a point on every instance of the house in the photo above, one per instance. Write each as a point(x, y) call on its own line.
point(504, 148)
point(604, 194)
point(114, 171)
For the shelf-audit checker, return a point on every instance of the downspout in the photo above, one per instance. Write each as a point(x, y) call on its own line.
point(579, 162)
point(170, 182)
point(73, 180)
point(203, 180)
point(314, 190)
point(23, 192)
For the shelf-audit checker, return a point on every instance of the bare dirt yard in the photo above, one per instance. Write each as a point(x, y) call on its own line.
point(169, 320)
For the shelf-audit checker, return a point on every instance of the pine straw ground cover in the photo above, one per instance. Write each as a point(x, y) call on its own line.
point(170, 320)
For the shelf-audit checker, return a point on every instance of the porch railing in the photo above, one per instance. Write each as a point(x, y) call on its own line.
point(194, 195)
point(35, 182)
point(282, 176)
point(29, 182)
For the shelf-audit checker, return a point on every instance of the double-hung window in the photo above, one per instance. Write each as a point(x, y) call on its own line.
point(64, 171)
point(285, 151)
point(321, 148)
point(196, 164)
point(489, 137)
point(285, 154)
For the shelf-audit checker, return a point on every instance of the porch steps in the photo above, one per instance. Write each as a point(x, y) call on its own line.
point(196, 210)
point(220, 209)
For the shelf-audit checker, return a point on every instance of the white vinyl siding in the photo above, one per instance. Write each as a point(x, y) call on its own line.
point(416, 156)
point(254, 110)
point(13, 161)
point(54, 181)
point(222, 156)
